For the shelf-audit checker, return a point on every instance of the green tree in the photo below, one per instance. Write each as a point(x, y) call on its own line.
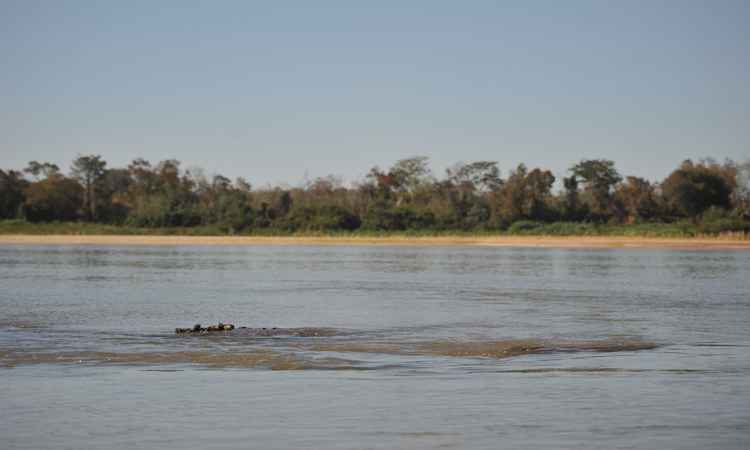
point(742, 192)
point(162, 196)
point(41, 170)
point(144, 180)
point(410, 173)
point(480, 176)
point(12, 186)
point(284, 204)
point(408, 178)
point(599, 177)
point(538, 185)
point(512, 195)
point(638, 197)
point(89, 171)
point(525, 195)
point(225, 205)
point(114, 189)
point(692, 189)
point(233, 211)
point(570, 207)
point(53, 198)
point(320, 218)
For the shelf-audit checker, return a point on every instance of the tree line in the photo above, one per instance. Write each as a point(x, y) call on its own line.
point(407, 196)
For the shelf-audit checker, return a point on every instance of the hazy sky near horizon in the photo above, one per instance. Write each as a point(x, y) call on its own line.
point(274, 90)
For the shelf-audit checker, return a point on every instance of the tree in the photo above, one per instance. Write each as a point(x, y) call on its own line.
point(378, 187)
point(512, 195)
point(233, 211)
point(221, 183)
point(638, 198)
point(320, 218)
point(41, 170)
point(406, 178)
point(243, 185)
point(161, 196)
point(12, 186)
point(727, 170)
point(599, 177)
point(114, 191)
point(538, 185)
point(570, 208)
point(742, 191)
point(168, 174)
point(477, 216)
point(693, 188)
point(471, 196)
point(53, 198)
point(89, 170)
point(525, 194)
point(410, 173)
point(480, 176)
point(145, 181)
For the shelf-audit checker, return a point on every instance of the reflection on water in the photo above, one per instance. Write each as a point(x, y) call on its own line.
point(374, 347)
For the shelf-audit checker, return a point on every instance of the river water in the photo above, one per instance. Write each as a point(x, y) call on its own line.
point(374, 348)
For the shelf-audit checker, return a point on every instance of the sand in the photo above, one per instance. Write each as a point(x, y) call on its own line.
point(706, 243)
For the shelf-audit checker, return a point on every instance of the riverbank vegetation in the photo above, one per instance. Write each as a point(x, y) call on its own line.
point(683, 229)
point(697, 198)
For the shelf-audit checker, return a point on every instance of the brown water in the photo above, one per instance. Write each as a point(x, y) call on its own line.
point(374, 348)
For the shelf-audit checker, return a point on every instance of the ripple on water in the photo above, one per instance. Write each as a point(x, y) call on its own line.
point(255, 359)
point(304, 355)
point(489, 349)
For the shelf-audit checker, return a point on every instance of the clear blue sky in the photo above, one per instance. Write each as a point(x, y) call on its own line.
point(272, 90)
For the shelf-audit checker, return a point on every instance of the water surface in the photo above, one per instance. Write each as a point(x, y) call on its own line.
point(419, 347)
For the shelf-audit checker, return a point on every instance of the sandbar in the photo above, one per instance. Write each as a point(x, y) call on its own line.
point(697, 243)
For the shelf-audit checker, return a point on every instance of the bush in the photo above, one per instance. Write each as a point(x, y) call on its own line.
point(718, 220)
point(324, 218)
point(399, 219)
point(524, 226)
point(569, 229)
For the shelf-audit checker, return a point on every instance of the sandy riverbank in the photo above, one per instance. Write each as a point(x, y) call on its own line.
point(499, 241)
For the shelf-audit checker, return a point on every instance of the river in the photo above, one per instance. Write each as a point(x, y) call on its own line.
point(374, 347)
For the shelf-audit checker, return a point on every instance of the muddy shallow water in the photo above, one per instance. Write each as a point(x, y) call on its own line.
point(390, 347)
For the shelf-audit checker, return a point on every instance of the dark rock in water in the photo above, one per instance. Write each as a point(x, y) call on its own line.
point(226, 328)
point(284, 332)
point(198, 329)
